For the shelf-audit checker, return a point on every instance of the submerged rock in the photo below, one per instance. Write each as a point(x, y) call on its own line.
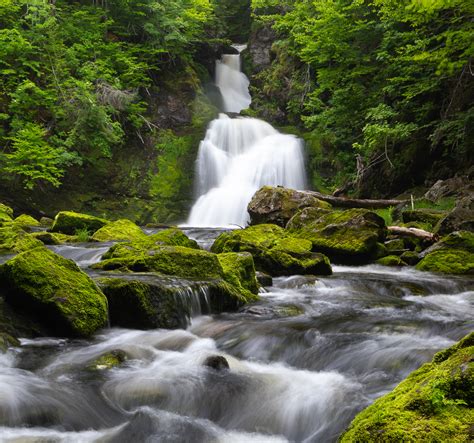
point(277, 205)
point(217, 362)
point(350, 236)
point(119, 230)
point(108, 360)
point(274, 250)
point(54, 291)
point(454, 254)
point(435, 403)
point(70, 222)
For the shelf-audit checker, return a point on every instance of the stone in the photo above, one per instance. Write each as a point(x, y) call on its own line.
point(217, 362)
point(14, 239)
point(239, 270)
point(277, 205)
point(71, 222)
point(461, 218)
point(391, 260)
point(455, 186)
point(424, 216)
point(54, 291)
point(6, 213)
point(119, 230)
point(108, 360)
point(351, 236)
point(264, 279)
point(26, 222)
point(274, 250)
point(410, 258)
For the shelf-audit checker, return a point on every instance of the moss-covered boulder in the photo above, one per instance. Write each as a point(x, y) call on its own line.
point(119, 230)
point(454, 254)
point(148, 301)
point(14, 239)
point(425, 216)
point(71, 222)
point(276, 205)
point(54, 238)
point(6, 213)
point(410, 258)
point(54, 291)
point(239, 271)
point(350, 236)
point(108, 360)
point(26, 221)
point(434, 404)
point(146, 245)
point(274, 250)
point(391, 260)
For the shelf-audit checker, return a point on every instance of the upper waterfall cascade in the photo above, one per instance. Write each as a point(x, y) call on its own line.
point(240, 155)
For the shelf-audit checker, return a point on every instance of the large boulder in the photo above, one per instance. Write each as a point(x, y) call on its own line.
point(119, 230)
point(274, 250)
point(239, 270)
point(26, 221)
point(461, 218)
point(276, 205)
point(454, 254)
point(71, 222)
point(350, 236)
point(433, 404)
point(54, 291)
point(455, 186)
point(14, 239)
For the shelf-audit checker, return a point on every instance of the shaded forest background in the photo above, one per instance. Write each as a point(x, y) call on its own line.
point(103, 104)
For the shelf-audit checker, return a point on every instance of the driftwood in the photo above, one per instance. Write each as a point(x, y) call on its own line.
point(426, 236)
point(343, 202)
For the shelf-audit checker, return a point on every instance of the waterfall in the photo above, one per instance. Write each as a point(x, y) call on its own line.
point(240, 155)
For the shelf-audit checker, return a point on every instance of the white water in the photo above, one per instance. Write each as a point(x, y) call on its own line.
point(233, 84)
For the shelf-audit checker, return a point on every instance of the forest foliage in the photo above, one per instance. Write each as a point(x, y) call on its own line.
point(383, 79)
point(74, 75)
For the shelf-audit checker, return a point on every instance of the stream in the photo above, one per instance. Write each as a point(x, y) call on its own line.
point(303, 361)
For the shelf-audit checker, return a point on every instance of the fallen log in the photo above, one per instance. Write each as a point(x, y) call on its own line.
point(343, 202)
point(401, 231)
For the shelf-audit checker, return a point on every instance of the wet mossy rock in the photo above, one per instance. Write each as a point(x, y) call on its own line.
point(391, 260)
point(277, 205)
point(54, 291)
point(54, 238)
point(434, 404)
point(146, 245)
point(119, 230)
point(14, 239)
point(274, 250)
point(147, 301)
point(26, 221)
point(454, 254)
point(349, 236)
point(239, 271)
point(108, 360)
point(6, 213)
point(71, 222)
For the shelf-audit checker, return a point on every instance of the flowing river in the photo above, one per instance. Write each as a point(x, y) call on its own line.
point(303, 361)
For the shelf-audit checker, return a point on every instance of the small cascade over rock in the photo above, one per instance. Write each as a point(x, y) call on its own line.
point(232, 82)
point(240, 155)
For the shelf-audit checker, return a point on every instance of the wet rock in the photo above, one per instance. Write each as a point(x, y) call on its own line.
point(350, 236)
point(277, 205)
point(274, 250)
point(54, 238)
point(239, 270)
point(261, 40)
point(119, 230)
point(461, 218)
point(17, 324)
point(7, 341)
point(108, 360)
point(410, 258)
point(264, 279)
point(391, 260)
point(216, 362)
point(434, 403)
point(454, 254)
point(53, 291)
point(70, 222)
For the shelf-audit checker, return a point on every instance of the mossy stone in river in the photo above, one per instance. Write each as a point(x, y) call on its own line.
point(70, 222)
point(26, 221)
point(434, 404)
point(349, 236)
point(239, 271)
point(274, 250)
point(14, 239)
point(54, 291)
point(7, 341)
point(54, 238)
point(391, 260)
point(108, 360)
point(119, 230)
point(454, 254)
point(410, 258)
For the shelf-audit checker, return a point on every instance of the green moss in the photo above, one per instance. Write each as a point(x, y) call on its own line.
point(6, 213)
point(26, 221)
point(7, 341)
point(391, 260)
point(239, 271)
point(428, 217)
point(274, 250)
point(395, 245)
point(345, 236)
point(410, 257)
point(55, 291)
point(108, 360)
point(71, 222)
point(119, 230)
point(454, 254)
point(54, 238)
point(14, 239)
point(434, 404)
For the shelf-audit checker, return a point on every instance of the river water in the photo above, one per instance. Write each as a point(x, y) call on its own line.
point(303, 361)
